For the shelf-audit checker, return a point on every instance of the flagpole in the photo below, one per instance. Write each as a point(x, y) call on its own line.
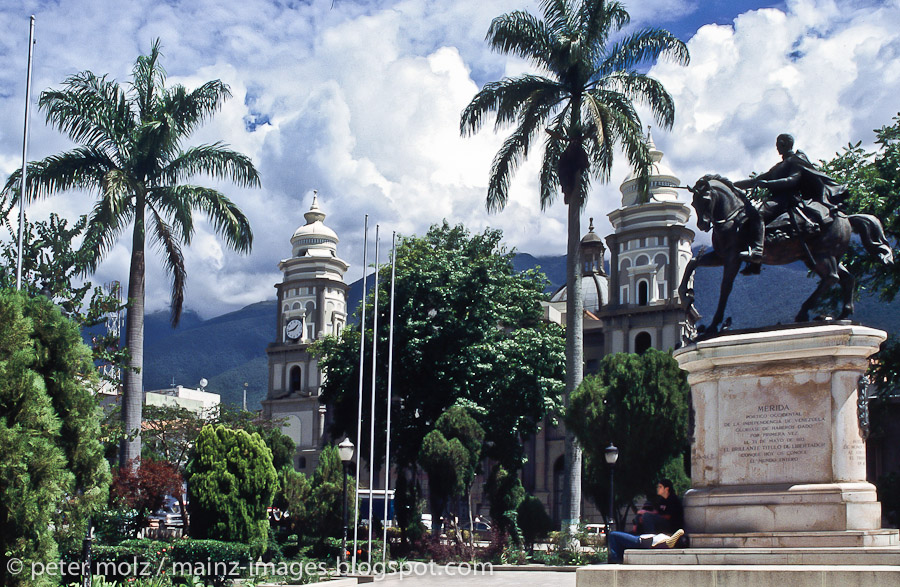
point(22, 198)
point(387, 447)
point(362, 346)
point(372, 415)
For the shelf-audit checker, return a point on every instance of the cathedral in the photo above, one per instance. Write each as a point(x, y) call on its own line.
point(630, 307)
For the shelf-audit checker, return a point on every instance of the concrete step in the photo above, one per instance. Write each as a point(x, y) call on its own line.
point(876, 556)
point(738, 576)
point(799, 539)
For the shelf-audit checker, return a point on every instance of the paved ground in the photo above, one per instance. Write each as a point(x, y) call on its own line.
point(439, 576)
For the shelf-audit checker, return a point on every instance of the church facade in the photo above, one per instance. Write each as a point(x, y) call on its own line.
point(629, 308)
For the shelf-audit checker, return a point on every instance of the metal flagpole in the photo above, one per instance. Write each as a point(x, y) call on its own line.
point(387, 446)
point(372, 415)
point(362, 346)
point(22, 198)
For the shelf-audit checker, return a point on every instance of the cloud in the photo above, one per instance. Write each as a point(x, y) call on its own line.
point(361, 101)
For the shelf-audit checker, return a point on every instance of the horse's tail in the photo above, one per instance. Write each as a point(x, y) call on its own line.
point(871, 233)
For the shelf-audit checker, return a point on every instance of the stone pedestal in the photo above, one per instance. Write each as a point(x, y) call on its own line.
point(777, 447)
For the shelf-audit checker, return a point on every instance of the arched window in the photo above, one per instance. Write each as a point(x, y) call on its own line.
point(643, 293)
point(642, 260)
point(624, 265)
point(296, 379)
point(660, 261)
point(296, 306)
point(642, 342)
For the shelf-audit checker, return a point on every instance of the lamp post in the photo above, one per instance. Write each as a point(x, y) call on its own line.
point(611, 454)
point(345, 451)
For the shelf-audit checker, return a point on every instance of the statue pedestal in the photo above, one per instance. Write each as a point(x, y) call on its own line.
point(777, 457)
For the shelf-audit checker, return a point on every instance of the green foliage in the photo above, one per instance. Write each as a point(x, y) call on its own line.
point(640, 404)
point(53, 472)
point(456, 423)
point(445, 462)
point(505, 492)
point(326, 509)
point(293, 496)
point(533, 520)
point(467, 331)
point(873, 179)
point(231, 483)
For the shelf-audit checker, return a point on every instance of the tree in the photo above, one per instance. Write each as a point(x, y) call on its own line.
point(467, 331)
point(50, 266)
point(583, 97)
point(456, 423)
point(144, 488)
point(640, 403)
point(130, 155)
point(533, 520)
point(445, 462)
point(873, 180)
point(505, 492)
point(52, 474)
point(231, 484)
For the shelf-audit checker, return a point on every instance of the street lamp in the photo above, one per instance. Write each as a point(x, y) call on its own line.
point(345, 451)
point(611, 454)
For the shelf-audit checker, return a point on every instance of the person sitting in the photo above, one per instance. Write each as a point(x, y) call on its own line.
point(618, 542)
point(667, 516)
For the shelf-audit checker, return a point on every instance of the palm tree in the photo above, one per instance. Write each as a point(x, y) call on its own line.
point(583, 97)
point(130, 155)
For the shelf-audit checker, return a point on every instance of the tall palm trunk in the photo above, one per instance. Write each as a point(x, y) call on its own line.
point(133, 378)
point(574, 358)
point(572, 166)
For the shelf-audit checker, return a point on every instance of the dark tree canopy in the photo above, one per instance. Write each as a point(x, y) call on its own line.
point(52, 474)
point(467, 331)
point(640, 403)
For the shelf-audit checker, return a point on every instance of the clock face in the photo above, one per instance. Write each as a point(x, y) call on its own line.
point(294, 329)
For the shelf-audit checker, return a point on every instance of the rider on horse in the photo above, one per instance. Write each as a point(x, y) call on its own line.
point(796, 187)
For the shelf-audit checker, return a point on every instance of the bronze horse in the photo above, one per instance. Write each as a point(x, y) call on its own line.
point(724, 208)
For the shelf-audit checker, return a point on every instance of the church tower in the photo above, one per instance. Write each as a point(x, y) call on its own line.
point(311, 303)
point(649, 251)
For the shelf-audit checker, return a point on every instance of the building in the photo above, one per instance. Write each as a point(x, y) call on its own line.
point(629, 308)
point(197, 401)
point(311, 303)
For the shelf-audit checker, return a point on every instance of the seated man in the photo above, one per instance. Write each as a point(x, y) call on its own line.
point(618, 542)
point(669, 513)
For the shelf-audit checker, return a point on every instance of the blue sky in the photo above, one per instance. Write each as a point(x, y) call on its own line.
point(361, 102)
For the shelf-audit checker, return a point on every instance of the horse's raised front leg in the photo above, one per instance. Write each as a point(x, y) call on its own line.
point(687, 295)
point(729, 272)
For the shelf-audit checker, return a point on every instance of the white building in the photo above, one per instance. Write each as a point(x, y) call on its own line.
point(198, 401)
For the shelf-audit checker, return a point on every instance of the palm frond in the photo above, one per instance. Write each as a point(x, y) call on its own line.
point(644, 46)
point(637, 87)
point(148, 81)
point(176, 205)
point(80, 168)
point(227, 219)
point(553, 148)
point(522, 34)
point(507, 98)
point(164, 238)
point(188, 110)
point(515, 148)
point(215, 160)
point(106, 222)
point(91, 111)
point(599, 19)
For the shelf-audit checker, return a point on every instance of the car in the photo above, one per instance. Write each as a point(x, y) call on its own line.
point(482, 529)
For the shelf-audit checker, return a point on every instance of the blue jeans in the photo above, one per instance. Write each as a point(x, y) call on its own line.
point(618, 542)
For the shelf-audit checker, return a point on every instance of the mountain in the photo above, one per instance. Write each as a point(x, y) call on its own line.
point(230, 350)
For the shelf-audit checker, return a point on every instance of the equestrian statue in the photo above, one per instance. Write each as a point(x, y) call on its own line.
point(801, 220)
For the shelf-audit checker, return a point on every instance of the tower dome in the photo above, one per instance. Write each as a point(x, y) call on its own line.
point(662, 180)
point(314, 239)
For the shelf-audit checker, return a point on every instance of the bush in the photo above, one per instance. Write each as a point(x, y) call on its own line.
point(533, 520)
point(231, 484)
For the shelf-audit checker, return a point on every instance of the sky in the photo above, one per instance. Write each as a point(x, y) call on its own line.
point(360, 100)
